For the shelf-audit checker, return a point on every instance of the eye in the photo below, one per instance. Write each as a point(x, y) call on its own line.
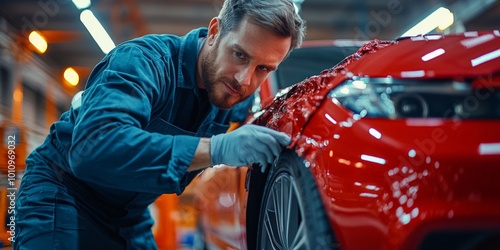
point(264, 68)
point(239, 55)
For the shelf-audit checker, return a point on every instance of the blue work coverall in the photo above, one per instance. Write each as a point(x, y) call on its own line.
point(88, 186)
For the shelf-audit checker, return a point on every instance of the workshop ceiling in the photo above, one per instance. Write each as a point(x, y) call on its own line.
point(70, 44)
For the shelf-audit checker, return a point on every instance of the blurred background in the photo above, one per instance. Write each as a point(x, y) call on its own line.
point(72, 36)
point(49, 47)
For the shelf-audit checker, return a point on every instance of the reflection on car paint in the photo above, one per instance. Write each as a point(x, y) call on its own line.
point(304, 98)
point(426, 171)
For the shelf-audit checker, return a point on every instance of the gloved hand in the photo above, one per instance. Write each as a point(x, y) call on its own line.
point(247, 144)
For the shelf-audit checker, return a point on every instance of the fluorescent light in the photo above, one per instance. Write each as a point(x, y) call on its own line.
point(446, 20)
point(38, 41)
point(81, 4)
point(97, 31)
point(441, 18)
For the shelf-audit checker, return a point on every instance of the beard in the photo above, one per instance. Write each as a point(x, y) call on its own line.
point(208, 75)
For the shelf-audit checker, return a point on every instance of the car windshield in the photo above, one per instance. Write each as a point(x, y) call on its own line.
point(391, 98)
point(308, 61)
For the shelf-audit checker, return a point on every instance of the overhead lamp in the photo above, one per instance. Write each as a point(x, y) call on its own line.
point(81, 4)
point(71, 76)
point(441, 18)
point(97, 31)
point(38, 41)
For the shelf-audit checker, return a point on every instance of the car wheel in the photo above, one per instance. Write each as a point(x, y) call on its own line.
point(292, 215)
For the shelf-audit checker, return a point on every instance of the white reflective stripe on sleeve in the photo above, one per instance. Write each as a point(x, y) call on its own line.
point(76, 102)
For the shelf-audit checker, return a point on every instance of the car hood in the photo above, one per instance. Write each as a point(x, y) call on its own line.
point(292, 107)
point(420, 57)
point(434, 56)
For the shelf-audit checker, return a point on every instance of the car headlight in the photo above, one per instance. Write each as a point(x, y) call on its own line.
point(397, 98)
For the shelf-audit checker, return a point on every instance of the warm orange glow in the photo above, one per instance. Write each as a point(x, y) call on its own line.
point(38, 41)
point(71, 76)
point(18, 95)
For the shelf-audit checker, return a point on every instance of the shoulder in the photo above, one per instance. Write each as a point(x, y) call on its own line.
point(153, 45)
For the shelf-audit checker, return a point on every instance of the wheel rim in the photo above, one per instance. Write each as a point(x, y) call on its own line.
point(283, 225)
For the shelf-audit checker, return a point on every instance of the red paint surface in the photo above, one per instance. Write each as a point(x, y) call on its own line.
point(431, 175)
point(290, 111)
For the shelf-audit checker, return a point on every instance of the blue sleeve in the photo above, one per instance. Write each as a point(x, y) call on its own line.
point(241, 110)
point(110, 145)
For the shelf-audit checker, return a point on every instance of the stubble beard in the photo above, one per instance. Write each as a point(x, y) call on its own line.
point(210, 82)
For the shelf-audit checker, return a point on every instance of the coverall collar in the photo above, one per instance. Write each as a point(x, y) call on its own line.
point(188, 55)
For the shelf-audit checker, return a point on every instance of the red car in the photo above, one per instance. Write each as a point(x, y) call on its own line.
point(396, 147)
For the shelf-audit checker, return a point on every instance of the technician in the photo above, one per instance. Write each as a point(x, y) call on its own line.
point(153, 115)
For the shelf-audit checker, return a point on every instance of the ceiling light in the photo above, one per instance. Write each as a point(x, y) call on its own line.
point(442, 18)
point(97, 31)
point(446, 20)
point(38, 41)
point(81, 4)
point(71, 76)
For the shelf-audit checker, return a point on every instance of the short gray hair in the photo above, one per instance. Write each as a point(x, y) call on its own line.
point(278, 16)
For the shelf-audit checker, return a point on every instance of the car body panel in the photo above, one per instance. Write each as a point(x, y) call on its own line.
point(404, 175)
point(441, 182)
point(433, 56)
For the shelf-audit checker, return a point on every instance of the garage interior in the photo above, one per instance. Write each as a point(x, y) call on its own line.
point(69, 44)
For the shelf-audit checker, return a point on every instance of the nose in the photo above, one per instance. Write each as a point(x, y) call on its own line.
point(243, 76)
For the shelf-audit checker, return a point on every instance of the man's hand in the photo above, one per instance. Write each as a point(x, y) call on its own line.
point(247, 144)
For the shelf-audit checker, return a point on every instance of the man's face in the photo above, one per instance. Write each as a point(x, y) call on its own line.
point(235, 65)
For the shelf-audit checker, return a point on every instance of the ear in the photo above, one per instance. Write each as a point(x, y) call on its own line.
point(213, 30)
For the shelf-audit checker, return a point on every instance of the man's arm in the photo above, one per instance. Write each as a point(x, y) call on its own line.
point(201, 157)
point(110, 146)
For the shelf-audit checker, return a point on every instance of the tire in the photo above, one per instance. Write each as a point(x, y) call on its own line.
point(291, 214)
point(257, 182)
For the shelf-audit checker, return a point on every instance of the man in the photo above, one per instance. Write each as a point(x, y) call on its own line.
point(152, 116)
